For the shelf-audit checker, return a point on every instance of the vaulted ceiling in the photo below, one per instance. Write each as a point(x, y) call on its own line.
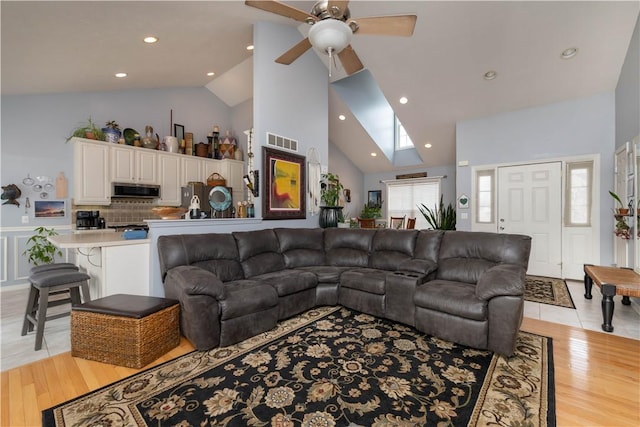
point(52, 46)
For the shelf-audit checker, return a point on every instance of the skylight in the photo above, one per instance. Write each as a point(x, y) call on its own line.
point(403, 140)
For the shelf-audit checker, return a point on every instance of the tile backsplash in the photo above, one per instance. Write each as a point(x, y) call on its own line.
point(121, 211)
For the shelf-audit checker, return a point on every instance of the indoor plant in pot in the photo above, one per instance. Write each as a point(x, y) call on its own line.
point(330, 210)
point(87, 130)
point(112, 131)
point(440, 217)
point(622, 209)
point(39, 249)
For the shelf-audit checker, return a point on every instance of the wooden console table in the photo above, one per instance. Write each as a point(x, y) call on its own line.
point(611, 281)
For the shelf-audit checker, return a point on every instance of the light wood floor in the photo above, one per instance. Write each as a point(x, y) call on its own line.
point(597, 379)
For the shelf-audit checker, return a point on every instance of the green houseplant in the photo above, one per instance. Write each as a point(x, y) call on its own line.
point(370, 211)
point(87, 130)
point(622, 210)
point(330, 190)
point(441, 217)
point(39, 249)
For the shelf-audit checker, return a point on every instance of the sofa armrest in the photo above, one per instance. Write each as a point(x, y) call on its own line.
point(423, 266)
point(501, 280)
point(190, 280)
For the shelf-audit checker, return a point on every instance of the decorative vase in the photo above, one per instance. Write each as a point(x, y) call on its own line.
point(330, 216)
point(149, 141)
point(111, 135)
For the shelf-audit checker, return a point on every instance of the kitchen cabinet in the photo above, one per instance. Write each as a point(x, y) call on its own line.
point(91, 182)
point(97, 164)
point(233, 171)
point(192, 169)
point(133, 165)
point(169, 178)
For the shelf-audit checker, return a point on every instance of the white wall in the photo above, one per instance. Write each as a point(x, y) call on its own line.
point(628, 93)
point(288, 100)
point(571, 128)
point(351, 177)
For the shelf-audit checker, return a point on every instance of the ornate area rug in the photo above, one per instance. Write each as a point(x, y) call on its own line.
point(330, 367)
point(548, 290)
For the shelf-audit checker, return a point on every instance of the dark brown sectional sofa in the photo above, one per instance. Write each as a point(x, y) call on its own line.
point(465, 287)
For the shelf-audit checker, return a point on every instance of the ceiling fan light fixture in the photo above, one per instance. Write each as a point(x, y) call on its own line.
point(330, 34)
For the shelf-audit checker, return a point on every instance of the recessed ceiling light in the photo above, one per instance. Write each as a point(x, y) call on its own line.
point(150, 39)
point(569, 53)
point(490, 75)
point(121, 75)
point(374, 154)
point(403, 100)
point(211, 73)
point(250, 47)
point(427, 145)
point(342, 117)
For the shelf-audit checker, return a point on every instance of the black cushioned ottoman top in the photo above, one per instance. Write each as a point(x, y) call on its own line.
point(135, 306)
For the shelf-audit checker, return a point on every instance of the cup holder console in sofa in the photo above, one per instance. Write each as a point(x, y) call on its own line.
point(466, 287)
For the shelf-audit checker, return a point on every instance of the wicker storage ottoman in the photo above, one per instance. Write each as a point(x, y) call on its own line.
point(125, 330)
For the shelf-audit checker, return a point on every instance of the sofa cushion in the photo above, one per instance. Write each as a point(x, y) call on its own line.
point(259, 252)
point(196, 249)
point(301, 247)
point(348, 247)
point(246, 297)
point(288, 282)
point(428, 245)
point(465, 256)
point(364, 279)
point(455, 298)
point(390, 248)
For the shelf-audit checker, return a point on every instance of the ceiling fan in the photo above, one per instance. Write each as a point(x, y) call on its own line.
point(332, 28)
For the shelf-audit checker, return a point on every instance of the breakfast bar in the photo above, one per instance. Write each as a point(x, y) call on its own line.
point(116, 265)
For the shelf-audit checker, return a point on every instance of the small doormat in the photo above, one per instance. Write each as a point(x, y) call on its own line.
point(548, 290)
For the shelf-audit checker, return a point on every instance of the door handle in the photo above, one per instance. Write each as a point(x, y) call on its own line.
point(501, 228)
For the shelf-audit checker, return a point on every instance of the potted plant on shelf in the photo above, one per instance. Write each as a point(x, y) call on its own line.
point(87, 130)
point(441, 217)
point(112, 131)
point(39, 249)
point(330, 210)
point(622, 209)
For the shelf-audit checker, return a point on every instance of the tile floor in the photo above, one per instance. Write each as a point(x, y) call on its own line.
point(16, 350)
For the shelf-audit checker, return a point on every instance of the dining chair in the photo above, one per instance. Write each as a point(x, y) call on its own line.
point(411, 223)
point(367, 222)
point(397, 222)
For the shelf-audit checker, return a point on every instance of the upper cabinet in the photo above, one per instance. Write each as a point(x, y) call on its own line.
point(91, 183)
point(99, 164)
point(133, 166)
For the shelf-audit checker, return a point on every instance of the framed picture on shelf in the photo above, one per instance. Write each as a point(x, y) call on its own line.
point(49, 209)
point(178, 132)
point(284, 194)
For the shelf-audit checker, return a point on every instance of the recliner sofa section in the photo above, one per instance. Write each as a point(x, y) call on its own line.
point(466, 287)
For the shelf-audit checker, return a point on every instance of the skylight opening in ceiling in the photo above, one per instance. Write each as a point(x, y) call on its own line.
point(403, 140)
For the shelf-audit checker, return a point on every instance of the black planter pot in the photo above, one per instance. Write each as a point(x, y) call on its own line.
point(330, 216)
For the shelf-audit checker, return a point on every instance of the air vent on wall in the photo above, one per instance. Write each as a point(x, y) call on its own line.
point(282, 142)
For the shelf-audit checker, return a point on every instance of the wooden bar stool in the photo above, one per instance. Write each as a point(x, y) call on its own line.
point(43, 285)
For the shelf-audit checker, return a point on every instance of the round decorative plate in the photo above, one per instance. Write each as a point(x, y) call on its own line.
point(219, 198)
point(128, 135)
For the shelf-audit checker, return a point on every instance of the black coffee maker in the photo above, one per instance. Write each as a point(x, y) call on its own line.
point(88, 220)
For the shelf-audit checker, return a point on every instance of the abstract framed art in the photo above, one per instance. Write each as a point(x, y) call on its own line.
point(284, 185)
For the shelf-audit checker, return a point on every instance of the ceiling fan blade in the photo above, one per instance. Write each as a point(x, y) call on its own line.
point(350, 60)
point(282, 9)
point(401, 25)
point(294, 53)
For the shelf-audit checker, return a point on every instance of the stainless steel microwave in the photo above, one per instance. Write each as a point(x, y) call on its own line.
point(140, 191)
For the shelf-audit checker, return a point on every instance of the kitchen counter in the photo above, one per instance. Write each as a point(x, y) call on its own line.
point(93, 240)
point(116, 265)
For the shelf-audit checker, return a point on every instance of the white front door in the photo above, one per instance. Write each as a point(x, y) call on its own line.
point(530, 202)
